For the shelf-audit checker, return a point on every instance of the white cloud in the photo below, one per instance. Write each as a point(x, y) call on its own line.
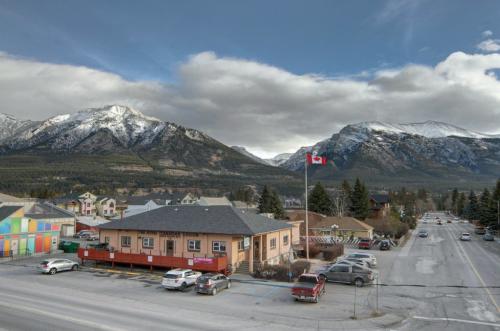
point(489, 45)
point(486, 33)
point(262, 107)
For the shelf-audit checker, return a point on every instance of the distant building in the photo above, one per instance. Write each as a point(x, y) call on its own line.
point(90, 223)
point(380, 206)
point(106, 207)
point(213, 201)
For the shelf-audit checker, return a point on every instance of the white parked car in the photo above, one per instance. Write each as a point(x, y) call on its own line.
point(179, 279)
point(369, 258)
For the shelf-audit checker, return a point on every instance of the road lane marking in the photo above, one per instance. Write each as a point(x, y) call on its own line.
point(60, 317)
point(464, 254)
point(446, 319)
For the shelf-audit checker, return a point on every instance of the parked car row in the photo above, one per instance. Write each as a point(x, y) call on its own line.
point(210, 283)
point(87, 235)
point(383, 245)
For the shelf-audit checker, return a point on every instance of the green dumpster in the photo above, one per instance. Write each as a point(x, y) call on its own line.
point(70, 247)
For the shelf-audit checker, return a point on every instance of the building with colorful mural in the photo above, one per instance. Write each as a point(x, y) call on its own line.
point(21, 235)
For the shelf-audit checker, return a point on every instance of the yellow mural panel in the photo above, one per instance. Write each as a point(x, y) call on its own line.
point(18, 213)
point(32, 226)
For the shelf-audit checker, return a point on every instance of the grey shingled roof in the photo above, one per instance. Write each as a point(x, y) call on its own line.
point(198, 219)
point(46, 210)
point(6, 211)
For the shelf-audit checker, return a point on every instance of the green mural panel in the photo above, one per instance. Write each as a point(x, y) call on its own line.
point(15, 225)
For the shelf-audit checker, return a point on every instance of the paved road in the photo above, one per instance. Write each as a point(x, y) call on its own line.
point(439, 261)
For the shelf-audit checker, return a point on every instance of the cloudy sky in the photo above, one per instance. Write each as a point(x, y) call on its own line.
point(271, 77)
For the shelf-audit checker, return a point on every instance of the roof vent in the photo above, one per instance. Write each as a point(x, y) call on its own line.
point(242, 211)
point(176, 209)
point(206, 209)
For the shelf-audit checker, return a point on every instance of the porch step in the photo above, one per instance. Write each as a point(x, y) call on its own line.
point(243, 268)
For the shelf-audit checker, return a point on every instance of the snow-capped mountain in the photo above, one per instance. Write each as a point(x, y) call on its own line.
point(429, 129)
point(245, 152)
point(404, 151)
point(9, 125)
point(279, 159)
point(64, 132)
point(136, 142)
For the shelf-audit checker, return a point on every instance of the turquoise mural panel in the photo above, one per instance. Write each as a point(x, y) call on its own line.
point(31, 244)
point(5, 226)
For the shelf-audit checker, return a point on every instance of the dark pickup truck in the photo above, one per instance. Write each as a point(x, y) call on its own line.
point(309, 287)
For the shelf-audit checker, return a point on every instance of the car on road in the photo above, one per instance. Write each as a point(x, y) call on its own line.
point(83, 234)
point(179, 279)
point(365, 243)
point(465, 236)
point(488, 237)
point(384, 245)
point(348, 274)
point(448, 221)
point(369, 258)
point(309, 287)
point(480, 230)
point(439, 222)
point(53, 266)
point(423, 234)
point(212, 283)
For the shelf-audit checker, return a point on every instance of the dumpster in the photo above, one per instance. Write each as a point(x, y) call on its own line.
point(70, 247)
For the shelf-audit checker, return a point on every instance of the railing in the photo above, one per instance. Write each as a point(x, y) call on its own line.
point(212, 264)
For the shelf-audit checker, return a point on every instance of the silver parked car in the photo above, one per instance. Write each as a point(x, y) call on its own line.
point(52, 266)
point(212, 283)
point(349, 274)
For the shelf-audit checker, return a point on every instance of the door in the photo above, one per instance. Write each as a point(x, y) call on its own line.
point(14, 246)
point(22, 246)
point(256, 254)
point(170, 247)
point(39, 243)
point(47, 244)
point(338, 273)
point(31, 245)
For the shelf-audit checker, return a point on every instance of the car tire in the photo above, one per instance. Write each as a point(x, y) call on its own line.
point(359, 282)
point(183, 287)
point(53, 271)
point(214, 291)
point(74, 267)
point(228, 285)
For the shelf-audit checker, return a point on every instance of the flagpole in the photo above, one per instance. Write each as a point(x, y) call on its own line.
point(307, 214)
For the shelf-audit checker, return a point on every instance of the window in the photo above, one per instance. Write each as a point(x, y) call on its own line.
point(194, 245)
point(126, 241)
point(106, 240)
point(148, 242)
point(273, 243)
point(285, 240)
point(340, 268)
point(218, 246)
point(241, 245)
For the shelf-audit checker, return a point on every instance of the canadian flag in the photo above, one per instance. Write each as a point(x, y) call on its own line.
point(315, 159)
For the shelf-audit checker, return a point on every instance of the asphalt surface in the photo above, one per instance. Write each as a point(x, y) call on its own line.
point(460, 280)
point(432, 283)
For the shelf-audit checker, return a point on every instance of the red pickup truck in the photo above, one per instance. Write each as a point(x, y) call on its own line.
point(365, 243)
point(309, 287)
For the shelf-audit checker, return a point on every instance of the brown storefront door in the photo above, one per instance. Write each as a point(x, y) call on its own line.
point(170, 246)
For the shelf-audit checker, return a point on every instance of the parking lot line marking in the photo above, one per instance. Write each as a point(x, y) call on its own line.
point(446, 319)
point(464, 254)
point(60, 316)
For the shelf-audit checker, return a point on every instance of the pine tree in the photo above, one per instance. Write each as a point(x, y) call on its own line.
point(472, 209)
point(485, 211)
point(461, 204)
point(495, 198)
point(360, 207)
point(269, 202)
point(346, 195)
point(454, 200)
point(265, 201)
point(319, 201)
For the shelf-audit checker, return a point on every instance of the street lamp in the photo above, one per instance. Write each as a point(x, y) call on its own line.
point(334, 229)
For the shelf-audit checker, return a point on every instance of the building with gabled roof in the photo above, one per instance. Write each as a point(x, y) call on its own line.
point(201, 231)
